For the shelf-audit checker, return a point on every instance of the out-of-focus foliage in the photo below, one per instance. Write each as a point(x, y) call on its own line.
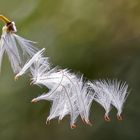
point(100, 38)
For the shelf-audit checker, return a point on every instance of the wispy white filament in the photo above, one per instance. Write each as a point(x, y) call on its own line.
point(109, 93)
point(119, 94)
point(18, 49)
point(64, 87)
point(37, 57)
point(70, 94)
point(102, 95)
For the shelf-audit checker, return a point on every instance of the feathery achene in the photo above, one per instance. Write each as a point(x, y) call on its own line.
point(18, 49)
point(69, 93)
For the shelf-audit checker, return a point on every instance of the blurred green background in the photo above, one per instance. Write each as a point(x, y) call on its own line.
point(99, 38)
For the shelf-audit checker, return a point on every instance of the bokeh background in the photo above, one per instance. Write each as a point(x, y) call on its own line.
point(99, 38)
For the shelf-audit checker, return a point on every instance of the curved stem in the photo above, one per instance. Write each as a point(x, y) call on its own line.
point(4, 19)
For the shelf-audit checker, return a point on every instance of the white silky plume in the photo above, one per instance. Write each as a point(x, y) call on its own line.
point(18, 49)
point(60, 92)
point(69, 94)
point(119, 93)
point(102, 95)
point(109, 93)
point(35, 61)
point(55, 81)
point(66, 89)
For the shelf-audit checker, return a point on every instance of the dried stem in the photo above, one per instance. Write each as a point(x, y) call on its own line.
point(4, 19)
